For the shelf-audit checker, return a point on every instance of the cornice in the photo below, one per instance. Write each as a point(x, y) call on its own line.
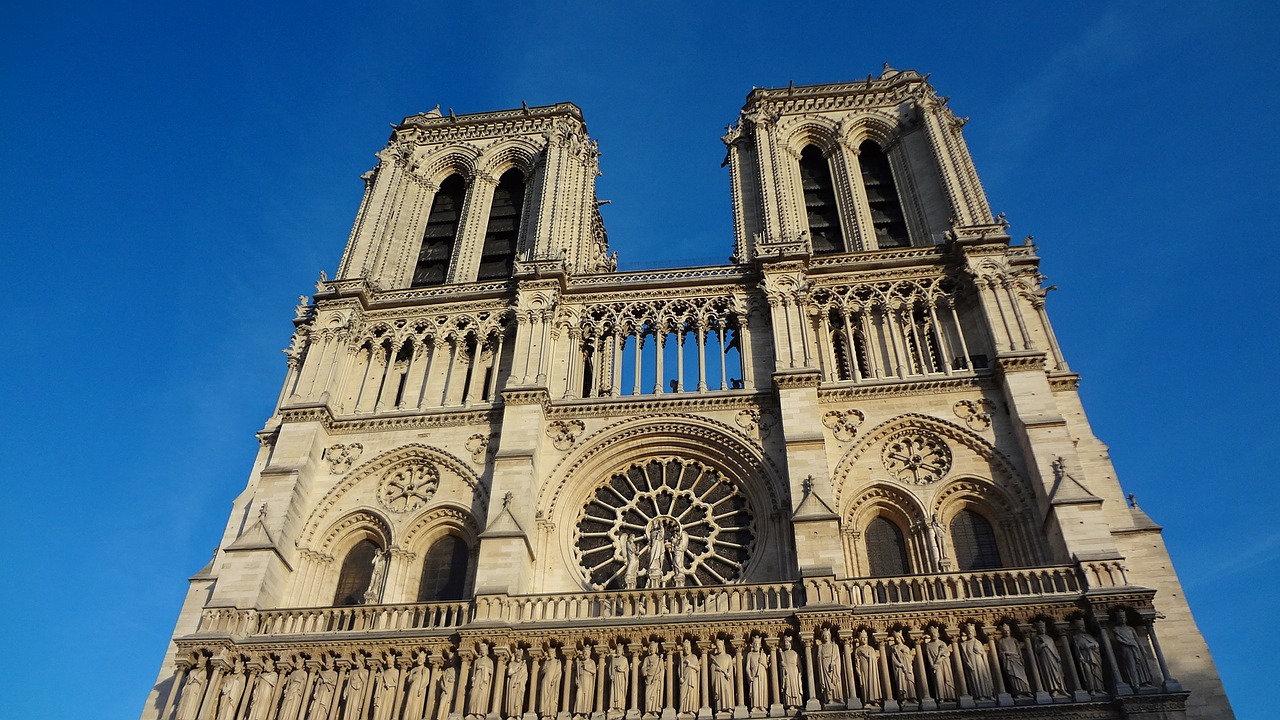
point(410, 420)
point(667, 277)
point(656, 405)
point(832, 393)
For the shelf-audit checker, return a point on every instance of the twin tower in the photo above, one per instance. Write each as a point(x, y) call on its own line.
point(847, 472)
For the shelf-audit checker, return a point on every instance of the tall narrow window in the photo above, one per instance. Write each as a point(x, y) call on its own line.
point(441, 233)
point(882, 195)
point(820, 202)
point(357, 571)
point(886, 549)
point(504, 227)
point(444, 570)
point(974, 542)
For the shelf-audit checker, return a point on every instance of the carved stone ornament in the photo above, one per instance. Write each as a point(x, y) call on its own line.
point(843, 424)
point(342, 457)
point(478, 446)
point(665, 522)
point(916, 457)
point(408, 487)
point(564, 433)
point(747, 419)
point(975, 413)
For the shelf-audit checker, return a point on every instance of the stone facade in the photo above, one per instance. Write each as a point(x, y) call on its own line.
point(848, 473)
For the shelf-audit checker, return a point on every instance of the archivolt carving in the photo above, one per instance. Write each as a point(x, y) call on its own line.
point(512, 152)
point(435, 166)
point(816, 130)
point(881, 496)
point(360, 518)
point(448, 516)
point(959, 493)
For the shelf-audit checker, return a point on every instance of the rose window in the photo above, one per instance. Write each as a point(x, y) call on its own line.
point(408, 488)
point(916, 457)
point(665, 523)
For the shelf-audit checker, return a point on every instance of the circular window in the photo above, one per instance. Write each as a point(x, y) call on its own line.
point(665, 522)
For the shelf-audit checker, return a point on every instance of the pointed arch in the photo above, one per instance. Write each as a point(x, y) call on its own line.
point(884, 503)
point(439, 239)
point(443, 545)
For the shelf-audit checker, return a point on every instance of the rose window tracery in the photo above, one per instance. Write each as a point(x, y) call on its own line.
point(916, 457)
point(408, 487)
point(665, 522)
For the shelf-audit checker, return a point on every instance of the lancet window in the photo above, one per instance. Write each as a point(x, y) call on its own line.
point(882, 197)
point(974, 542)
point(441, 234)
point(356, 573)
point(444, 570)
point(886, 549)
point(820, 202)
point(502, 234)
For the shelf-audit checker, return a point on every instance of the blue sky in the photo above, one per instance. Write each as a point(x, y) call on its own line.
point(177, 174)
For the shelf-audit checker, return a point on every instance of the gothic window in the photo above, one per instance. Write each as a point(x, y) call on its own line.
point(882, 197)
point(357, 571)
point(886, 549)
point(441, 233)
point(974, 542)
point(504, 227)
point(444, 570)
point(820, 202)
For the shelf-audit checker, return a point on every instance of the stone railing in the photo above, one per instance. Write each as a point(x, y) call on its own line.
point(1056, 581)
point(357, 618)
point(685, 601)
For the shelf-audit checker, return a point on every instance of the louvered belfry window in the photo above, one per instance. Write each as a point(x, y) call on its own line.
point(444, 570)
point(441, 233)
point(820, 202)
point(886, 549)
point(503, 232)
point(882, 196)
point(357, 570)
point(974, 542)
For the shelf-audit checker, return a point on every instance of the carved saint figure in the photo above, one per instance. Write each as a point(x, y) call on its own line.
point(757, 671)
point(447, 684)
point(291, 697)
point(549, 685)
point(1015, 667)
point(584, 678)
point(481, 682)
point(792, 691)
point(657, 548)
point(264, 689)
point(373, 593)
point(193, 689)
point(385, 686)
point(1088, 658)
point(829, 668)
point(354, 693)
point(517, 681)
point(415, 692)
point(630, 561)
point(652, 668)
point(937, 655)
point(326, 688)
point(679, 546)
point(721, 678)
point(619, 674)
point(1133, 662)
point(1048, 660)
point(690, 668)
point(866, 665)
point(901, 668)
point(229, 694)
point(977, 668)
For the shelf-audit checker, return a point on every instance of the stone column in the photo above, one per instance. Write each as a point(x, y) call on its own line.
point(997, 673)
point(888, 702)
point(704, 711)
point(531, 696)
point(1170, 685)
point(963, 698)
point(179, 677)
point(853, 699)
point(775, 708)
point(209, 706)
point(460, 686)
point(1033, 668)
point(570, 654)
point(740, 709)
point(499, 683)
point(812, 703)
point(1109, 657)
point(927, 701)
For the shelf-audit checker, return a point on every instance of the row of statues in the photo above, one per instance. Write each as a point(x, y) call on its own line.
point(719, 677)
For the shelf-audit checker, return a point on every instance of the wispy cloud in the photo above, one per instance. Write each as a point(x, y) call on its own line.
point(1265, 550)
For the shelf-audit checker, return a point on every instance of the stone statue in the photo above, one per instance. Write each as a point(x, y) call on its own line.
point(481, 682)
point(937, 655)
point(690, 668)
point(517, 681)
point(829, 669)
point(385, 688)
point(679, 545)
point(619, 675)
point(1129, 654)
point(353, 695)
point(652, 668)
point(657, 548)
point(264, 689)
point(291, 697)
point(901, 668)
point(447, 684)
point(415, 692)
point(229, 694)
point(193, 690)
point(977, 668)
point(757, 671)
point(549, 685)
point(1048, 661)
point(866, 666)
point(630, 562)
point(584, 678)
point(373, 593)
point(326, 688)
point(1015, 667)
point(792, 690)
point(721, 678)
point(1088, 658)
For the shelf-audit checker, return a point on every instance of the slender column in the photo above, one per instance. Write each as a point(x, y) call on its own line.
point(1122, 688)
point(964, 346)
point(1004, 317)
point(680, 335)
point(724, 374)
point(853, 700)
point(499, 684)
point(775, 687)
point(369, 388)
point(927, 701)
point(806, 357)
point(1033, 668)
point(304, 704)
point(412, 377)
point(597, 363)
point(944, 347)
point(744, 354)
point(566, 674)
point(341, 683)
point(460, 686)
point(311, 363)
point(573, 379)
point(888, 702)
point(812, 702)
point(524, 336)
point(855, 372)
point(547, 318)
point(1170, 685)
point(1078, 693)
point(531, 697)
point(963, 698)
point(895, 340)
point(997, 676)
point(702, 359)
point(671, 659)
point(826, 348)
point(635, 388)
point(602, 663)
point(633, 708)
point(705, 709)
point(492, 394)
point(1017, 315)
point(433, 673)
point(449, 371)
point(660, 343)
point(615, 372)
point(179, 677)
point(919, 364)
point(388, 381)
point(740, 704)
point(209, 706)
point(1054, 348)
point(873, 345)
point(475, 377)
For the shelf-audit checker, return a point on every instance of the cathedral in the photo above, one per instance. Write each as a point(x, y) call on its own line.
point(846, 473)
